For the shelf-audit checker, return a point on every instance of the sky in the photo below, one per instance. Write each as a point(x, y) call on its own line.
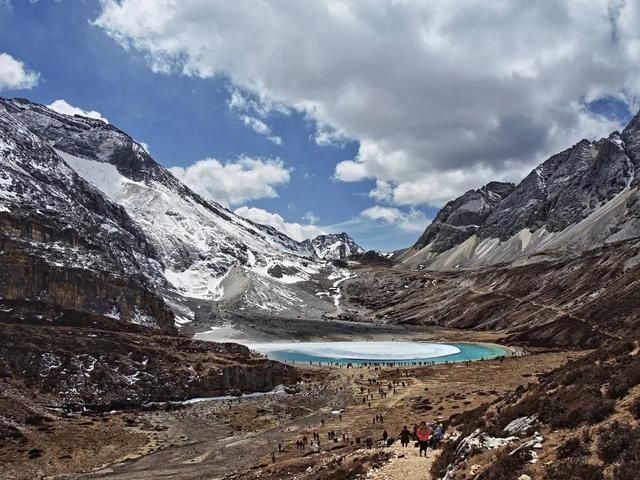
point(335, 115)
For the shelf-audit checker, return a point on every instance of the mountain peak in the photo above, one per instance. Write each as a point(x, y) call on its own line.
point(334, 246)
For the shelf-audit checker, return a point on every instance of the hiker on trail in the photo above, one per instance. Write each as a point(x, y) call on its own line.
point(385, 435)
point(305, 440)
point(279, 448)
point(273, 457)
point(405, 436)
point(415, 431)
point(381, 419)
point(322, 422)
point(423, 433)
point(436, 437)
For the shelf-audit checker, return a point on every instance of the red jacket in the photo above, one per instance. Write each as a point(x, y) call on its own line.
point(423, 434)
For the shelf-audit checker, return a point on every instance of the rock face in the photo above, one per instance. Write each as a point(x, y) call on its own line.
point(461, 218)
point(578, 199)
point(334, 246)
point(63, 245)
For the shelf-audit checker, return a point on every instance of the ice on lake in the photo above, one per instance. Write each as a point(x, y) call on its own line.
point(373, 351)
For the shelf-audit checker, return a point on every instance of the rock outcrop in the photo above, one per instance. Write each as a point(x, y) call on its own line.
point(87, 368)
point(334, 246)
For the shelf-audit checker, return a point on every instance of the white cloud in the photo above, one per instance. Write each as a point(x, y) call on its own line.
point(14, 75)
point(296, 231)
point(311, 218)
point(250, 108)
point(435, 91)
point(326, 135)
point(233, 183)
point(61, 106)
point(409, 221)
point(260, 127)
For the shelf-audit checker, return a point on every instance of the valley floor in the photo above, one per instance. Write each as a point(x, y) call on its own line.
point(235, 439)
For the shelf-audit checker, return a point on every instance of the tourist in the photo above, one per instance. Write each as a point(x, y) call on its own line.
point(423, 433)
point(385, 435)
point(437, 436)
point(405, 436)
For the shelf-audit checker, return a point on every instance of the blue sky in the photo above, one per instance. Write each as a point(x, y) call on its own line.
point(182, 119)
point(403, 143)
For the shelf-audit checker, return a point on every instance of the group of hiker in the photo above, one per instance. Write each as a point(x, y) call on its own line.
point(425, 435)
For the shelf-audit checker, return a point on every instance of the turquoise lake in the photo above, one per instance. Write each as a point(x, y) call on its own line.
point(377, 352)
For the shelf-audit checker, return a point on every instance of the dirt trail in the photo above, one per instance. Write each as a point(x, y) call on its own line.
point(406, 465)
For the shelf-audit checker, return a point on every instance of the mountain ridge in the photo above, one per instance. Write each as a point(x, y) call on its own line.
point(580, 198)
point(198, 250)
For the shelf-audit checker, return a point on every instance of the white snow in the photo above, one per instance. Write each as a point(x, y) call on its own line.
point(104, 176)
point(213, 238)
point(360, 350)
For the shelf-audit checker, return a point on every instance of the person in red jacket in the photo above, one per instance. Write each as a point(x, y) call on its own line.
point(423, 433)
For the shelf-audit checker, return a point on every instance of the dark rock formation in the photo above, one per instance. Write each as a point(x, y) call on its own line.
point(101, 369)
point(461, 218)
point(334, 246)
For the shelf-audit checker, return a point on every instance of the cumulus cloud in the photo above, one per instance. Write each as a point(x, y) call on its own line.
point(233, 183)
point(434, 91)
point(62, 106)
point(295, 230)
point(14, 75)
point(408, 221)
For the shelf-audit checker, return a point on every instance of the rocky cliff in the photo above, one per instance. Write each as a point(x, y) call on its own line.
point(334, 246)
point(65, 246)
point(578, 199)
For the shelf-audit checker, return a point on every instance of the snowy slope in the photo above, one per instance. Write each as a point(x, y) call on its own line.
point(198, 242)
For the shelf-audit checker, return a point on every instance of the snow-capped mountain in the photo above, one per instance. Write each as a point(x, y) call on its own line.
point(186, 246)
point(63, 244)
point(334, 246)
point(578, 199)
